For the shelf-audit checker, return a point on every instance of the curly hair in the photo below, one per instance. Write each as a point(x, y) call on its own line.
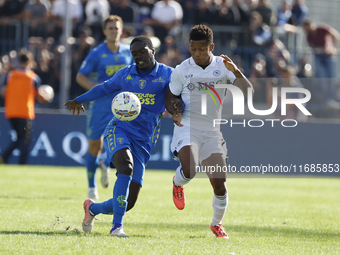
point(201, 32)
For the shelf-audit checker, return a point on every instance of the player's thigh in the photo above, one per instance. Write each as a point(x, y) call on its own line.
point(185, 148)
point(188, 156)
point(131, 161)
point(118, 151)
point(123, 161)
point(213, 143)
point(180, 138)
point(141, 156)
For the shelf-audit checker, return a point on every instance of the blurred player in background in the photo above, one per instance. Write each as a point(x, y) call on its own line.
point(128, 144)
point(195, 139)
point(323, 40)
point(20, 92)
point(100, 64)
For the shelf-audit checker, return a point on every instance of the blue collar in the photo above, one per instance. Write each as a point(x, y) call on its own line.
point(107, 48)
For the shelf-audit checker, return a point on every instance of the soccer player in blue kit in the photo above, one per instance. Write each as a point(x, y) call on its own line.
point(128, 144)
point(99, 65)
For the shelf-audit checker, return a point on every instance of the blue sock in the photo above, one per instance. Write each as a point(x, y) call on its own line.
point(115, 225)
point(91, 167)
point(120, 195)
point(105, 207)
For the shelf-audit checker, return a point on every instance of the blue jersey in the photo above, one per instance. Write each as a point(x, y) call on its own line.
point(151, 91)
point(100, 64)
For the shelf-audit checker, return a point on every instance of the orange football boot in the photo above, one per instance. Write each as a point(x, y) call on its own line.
point(219, 231)
point(178, 196)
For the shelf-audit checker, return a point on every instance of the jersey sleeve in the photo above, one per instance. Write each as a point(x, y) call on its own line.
point(176, 85)
point(114, 84)
point(109, 87)
point(93, 94)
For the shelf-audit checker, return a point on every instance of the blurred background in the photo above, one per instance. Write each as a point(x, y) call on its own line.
point(267, 39)
point(264, 37)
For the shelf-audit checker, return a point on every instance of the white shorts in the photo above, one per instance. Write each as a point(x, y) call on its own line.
point(203, 143)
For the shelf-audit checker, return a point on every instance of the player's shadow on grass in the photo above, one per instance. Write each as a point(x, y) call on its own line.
point(264, 231)
point(190, 229)
point(42, 233)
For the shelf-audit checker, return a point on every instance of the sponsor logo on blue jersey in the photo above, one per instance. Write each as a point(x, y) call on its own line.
point(158, 80)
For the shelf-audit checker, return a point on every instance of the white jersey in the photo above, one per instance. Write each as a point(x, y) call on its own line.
point(196, 86)
point(167, 12)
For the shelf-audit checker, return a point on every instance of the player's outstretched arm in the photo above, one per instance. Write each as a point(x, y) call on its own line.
point(96, 92)
point(75, 106)
point(241, 80)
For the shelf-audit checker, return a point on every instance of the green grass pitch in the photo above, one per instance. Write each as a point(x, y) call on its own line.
point(41, 213)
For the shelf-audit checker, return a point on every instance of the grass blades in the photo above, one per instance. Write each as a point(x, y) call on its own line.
point(41, 213)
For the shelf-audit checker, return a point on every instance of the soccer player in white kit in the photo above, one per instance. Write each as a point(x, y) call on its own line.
point(196, 141)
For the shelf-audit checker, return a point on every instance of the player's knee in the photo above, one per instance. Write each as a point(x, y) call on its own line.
point(123, 166)
point(219, 187)
point(188, 172)
point(126, 169)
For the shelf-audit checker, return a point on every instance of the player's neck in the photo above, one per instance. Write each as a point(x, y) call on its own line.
point(113, 45)
point(203, 66)
point(206, 63)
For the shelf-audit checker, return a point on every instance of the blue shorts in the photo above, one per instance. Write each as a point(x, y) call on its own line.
point(96, 122)
point(116, 139)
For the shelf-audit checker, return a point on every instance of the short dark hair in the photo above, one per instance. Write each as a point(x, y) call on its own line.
point(25, 57)
point(144, 39)
point(201, 32)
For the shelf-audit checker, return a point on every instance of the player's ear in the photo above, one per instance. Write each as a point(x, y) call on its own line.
point(212, 46)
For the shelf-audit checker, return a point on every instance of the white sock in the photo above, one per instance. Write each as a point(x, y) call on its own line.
point(180, 179)
point(219, 204)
